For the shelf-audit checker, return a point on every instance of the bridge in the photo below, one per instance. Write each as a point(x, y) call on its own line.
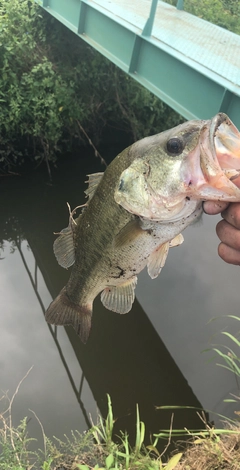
point(190, 64)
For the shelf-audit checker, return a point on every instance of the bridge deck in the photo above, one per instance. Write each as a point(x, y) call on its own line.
point(192, 65)
point(191, 38)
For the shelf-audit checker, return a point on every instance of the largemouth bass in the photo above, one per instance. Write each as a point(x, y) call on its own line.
point(137, 210)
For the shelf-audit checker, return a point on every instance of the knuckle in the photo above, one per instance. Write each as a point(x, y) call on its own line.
point(228, 234)
point(232, 215)
point(222, 248)
point(228, 254)
point(221, 229)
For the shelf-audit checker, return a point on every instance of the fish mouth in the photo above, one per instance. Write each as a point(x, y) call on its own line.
point(219, 159)
point(226, 139)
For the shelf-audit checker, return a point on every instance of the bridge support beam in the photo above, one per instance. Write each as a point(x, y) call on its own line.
point(192, 90)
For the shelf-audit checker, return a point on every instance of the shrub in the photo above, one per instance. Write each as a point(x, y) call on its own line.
point(51, 81)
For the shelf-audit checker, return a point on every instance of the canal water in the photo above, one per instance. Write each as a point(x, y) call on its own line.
point(154, 355)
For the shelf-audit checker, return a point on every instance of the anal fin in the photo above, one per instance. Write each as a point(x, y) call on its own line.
point(119, 298)
point(62, 311)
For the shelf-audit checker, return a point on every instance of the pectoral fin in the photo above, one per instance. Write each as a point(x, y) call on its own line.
point(119, 299)
point(157, 260)
point(128, 234)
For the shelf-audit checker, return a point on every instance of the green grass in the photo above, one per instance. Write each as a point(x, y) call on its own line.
point(96, 449)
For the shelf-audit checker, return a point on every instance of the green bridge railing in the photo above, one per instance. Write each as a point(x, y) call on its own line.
point(192, 65)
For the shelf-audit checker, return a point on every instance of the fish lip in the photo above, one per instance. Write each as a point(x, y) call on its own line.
point(215, 123)
point(207, 143)
point(217, 159)
point(233, 153)
point(212, 127)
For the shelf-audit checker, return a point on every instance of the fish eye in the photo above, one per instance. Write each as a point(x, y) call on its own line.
point(175, 146)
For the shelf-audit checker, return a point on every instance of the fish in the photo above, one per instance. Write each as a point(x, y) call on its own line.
point(137, 210)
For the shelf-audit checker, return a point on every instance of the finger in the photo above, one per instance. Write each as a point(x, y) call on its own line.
point(228, 234)
point(228, 254)
point(232, 214)
point(214, 207)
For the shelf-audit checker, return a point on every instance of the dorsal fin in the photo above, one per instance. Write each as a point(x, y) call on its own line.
point(93, 182)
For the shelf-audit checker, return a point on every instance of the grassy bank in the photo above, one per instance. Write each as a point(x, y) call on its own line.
point(98, 448)
point(206, 449)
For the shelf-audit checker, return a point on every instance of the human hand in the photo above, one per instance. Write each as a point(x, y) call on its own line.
point(228, 229)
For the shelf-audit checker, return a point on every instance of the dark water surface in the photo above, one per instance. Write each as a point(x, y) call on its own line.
point(151, 356)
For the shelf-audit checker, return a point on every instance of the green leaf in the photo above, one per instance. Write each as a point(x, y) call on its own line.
point(230, 400)
point(153, 449)
point(232, 338)
point(140, 432)
point(109, 460)
point(172, 463)
point(47, 465)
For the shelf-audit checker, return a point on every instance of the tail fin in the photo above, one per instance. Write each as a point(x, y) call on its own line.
point(62, 311)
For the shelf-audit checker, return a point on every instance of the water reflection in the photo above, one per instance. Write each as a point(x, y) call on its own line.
point(201, 287)
point(53, 329)
point(124, 356)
